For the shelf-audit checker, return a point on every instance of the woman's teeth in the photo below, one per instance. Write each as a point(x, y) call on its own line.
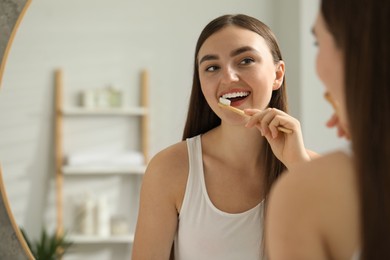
point(235, 95)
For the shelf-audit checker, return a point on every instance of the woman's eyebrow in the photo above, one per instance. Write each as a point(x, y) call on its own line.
point(232, 53)
point(241, 50)
point(208, 57)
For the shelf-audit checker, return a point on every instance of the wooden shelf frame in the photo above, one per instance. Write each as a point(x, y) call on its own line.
point(62, 170)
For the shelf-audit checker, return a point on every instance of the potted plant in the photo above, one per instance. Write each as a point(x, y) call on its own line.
point(48, 247)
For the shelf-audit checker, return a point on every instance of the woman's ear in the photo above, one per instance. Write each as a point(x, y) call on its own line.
point(279, 75)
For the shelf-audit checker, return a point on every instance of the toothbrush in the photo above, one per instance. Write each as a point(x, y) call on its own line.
point(225, 103)
point(329, 98)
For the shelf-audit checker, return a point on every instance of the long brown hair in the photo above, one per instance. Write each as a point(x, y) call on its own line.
point(361, 31)
point(201, 118)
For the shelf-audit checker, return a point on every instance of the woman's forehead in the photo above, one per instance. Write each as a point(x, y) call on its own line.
point(233, 37)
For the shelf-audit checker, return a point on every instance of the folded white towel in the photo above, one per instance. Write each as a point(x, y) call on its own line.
point(106, 158)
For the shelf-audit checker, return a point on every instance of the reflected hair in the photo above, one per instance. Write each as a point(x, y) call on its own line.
point(361, 31)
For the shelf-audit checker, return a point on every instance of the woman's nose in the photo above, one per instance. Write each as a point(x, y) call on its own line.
point(229, 75)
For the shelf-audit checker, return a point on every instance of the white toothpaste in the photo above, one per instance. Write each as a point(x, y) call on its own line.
point(224, 101)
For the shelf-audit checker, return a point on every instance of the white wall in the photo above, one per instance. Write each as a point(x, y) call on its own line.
point(293, 21)
point(314, 109)
point(96, 43)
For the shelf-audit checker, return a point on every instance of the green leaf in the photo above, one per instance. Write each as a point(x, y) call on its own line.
point(47, 248)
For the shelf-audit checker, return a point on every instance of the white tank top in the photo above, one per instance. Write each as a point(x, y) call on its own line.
point(207, 233)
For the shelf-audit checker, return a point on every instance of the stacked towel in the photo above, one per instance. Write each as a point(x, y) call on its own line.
point(106, 158)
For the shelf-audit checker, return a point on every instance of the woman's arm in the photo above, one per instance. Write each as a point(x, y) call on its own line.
point(158, 213)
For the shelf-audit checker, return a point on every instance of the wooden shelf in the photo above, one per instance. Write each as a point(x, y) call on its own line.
point(63, 170)
point(95, 239)
point(123, 111)
point(104, 170)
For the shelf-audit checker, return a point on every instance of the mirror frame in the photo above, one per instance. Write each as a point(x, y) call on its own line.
point(12, 242)
point(9, 23)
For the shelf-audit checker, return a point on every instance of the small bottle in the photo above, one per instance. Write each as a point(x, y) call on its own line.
point(88, 99)
point(119, 226)
point(87, 217)
point(102, 97)
point(115, 96)
point(102, 217)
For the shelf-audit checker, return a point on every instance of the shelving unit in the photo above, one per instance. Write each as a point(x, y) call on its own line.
point(62, 170)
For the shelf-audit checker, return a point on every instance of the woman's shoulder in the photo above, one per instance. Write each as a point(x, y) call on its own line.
point(306, 184)
point(318, 180)
point(318, 200)
point(170, 161)
point(166, 174)
point(335, 167)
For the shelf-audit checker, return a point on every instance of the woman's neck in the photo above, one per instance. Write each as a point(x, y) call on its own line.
point(236, 144)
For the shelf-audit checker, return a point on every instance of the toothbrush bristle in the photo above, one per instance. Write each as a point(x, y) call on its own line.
point(224, 101)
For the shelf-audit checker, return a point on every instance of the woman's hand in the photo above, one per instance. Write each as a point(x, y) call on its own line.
point(335, 122)
point(287, 147)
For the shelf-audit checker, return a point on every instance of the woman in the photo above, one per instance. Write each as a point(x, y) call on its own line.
point(338, 206)
point(205, 194)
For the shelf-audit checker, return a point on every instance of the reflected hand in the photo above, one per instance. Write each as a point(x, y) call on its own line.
point(335, 122)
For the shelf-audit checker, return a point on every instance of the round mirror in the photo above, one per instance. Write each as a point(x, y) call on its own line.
point(99, 44)
point(95, 44)
point(12, 243)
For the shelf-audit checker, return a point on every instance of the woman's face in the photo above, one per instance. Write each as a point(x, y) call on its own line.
point(330, 67)
point(237, 64)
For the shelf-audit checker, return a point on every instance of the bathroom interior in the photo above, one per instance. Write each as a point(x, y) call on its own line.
point(90, 89)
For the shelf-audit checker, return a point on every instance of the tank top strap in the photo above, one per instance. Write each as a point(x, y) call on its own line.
point(194, 147)
point(194, 185)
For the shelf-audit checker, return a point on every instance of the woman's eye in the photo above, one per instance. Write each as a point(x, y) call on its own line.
point(212, 68)
point(315, 41)
point(247, 61)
